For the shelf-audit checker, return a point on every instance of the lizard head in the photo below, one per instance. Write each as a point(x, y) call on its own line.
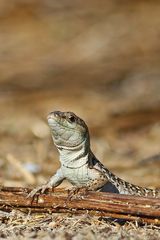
point(68, 130)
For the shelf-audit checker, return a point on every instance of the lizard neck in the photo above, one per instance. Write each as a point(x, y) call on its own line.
point(74, 157)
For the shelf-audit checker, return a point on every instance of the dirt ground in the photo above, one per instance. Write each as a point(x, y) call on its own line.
point(28, 157)
point(101, 62)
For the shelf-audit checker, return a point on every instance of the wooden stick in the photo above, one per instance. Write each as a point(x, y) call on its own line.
point(127, 207)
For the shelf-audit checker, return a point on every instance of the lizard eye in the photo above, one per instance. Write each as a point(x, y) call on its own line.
point(71, 119)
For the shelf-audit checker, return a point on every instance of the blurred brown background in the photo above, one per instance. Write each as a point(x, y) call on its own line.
point(99, 59)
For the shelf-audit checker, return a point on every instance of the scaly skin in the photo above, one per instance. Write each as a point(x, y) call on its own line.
point(78, 164)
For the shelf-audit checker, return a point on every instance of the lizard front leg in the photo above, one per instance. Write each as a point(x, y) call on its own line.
point(54, 181)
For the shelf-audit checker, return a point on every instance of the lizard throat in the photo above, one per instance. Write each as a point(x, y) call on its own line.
point(74, 157)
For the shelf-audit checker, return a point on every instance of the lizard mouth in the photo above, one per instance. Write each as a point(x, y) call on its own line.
point(53, 118)
point(57, 118)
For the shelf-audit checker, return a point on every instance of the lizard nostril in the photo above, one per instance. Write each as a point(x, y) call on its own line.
point(57, 113)
point(54, 114)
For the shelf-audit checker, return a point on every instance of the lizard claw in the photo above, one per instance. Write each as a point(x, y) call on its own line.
point(40, 190)
point(77, 192)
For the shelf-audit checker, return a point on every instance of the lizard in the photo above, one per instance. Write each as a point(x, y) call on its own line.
point(78, 163)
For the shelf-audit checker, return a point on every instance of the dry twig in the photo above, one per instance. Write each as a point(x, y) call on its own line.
point(133, 208)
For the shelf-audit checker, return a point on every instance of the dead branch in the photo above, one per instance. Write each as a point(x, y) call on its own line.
point(127, 207)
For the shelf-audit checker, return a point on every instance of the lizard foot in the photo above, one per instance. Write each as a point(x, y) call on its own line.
point(77, 193)
point(40, 190)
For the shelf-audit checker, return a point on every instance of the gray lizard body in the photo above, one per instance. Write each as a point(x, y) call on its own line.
point(78, 164)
